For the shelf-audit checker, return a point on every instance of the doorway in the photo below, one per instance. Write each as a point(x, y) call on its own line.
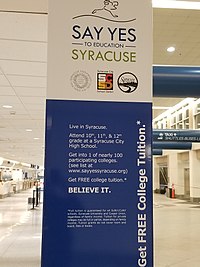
point(163, 176)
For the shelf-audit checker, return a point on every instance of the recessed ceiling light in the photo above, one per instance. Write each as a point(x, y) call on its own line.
point(171, 49)
point(36, 138)
point(176, 4)
point(29, 130)
point(7, 106)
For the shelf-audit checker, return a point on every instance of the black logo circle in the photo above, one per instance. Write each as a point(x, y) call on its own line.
point(127, 82)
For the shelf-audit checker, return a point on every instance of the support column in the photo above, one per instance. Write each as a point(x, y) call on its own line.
point(194, 164)
point(156, 183)
point(173, 172)
point(180, 192)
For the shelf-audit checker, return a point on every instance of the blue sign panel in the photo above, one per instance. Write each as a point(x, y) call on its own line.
point(97, 182)
point(168, 135)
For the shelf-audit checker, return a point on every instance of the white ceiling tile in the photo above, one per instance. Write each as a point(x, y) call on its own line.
point(6, 90)
point(33, 100)
point(32, 107)
point(28, 81)
point(38, 117)
point(23, 26)
point(9, 100)
point(24, 124)
point(24, 67)
point(30, 91)
point(3, 81)
point(8, 131)
point(38, 112)
point(23, 51)
point(180, 31)
point(18, 116)
point(11, 114)
point(24, 5)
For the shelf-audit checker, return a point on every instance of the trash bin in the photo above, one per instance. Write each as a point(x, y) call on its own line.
point(31, 200)
point(170, 192)
point(14, 188)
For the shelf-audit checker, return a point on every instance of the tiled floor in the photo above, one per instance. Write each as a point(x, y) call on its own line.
point(176, 232)
point(20, 232)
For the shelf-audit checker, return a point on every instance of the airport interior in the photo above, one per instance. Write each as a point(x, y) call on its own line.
point(176, 168)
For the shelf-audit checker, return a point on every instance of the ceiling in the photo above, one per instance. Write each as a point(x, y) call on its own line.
point(23, 69)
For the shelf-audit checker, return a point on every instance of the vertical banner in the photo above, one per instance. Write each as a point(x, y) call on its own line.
point(98, 181)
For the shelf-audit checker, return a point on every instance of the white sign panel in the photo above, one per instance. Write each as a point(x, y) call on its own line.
point(100, 50)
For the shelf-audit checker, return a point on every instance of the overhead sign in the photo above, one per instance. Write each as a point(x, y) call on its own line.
point(98, 185)
point(176, 136)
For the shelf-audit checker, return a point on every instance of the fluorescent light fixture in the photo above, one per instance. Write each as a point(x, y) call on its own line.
point(171, 49)
point(26, 164)
point(7, 106)
point(36, 138)
point(176, 4)
point(1, 161)
point(175, 108)
point(29, 130)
